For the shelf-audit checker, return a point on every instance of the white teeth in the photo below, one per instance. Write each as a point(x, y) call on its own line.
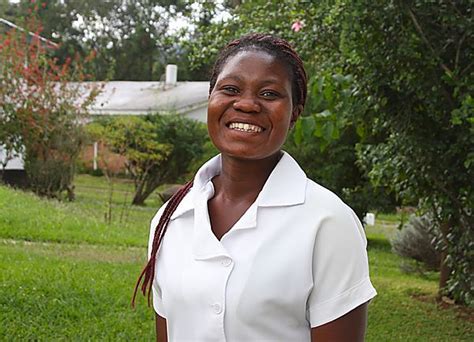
point(239, 126)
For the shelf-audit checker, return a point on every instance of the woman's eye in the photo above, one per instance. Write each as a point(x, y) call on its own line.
point(231, 90)
point(269, 94)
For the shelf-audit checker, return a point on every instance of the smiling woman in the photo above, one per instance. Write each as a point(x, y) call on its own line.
point(250, 107)
point(252, 249)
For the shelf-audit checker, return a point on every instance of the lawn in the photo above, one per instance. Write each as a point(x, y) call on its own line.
point(66, 274)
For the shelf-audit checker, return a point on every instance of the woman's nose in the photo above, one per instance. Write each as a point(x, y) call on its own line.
point(247, 104)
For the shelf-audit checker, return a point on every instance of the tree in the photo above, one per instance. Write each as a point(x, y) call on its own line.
point(41, 109)
point(132, 40)
point(410, 102)
point(159, 148)
point(413, 62)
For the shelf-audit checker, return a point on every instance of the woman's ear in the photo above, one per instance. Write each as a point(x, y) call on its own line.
point(297, 110)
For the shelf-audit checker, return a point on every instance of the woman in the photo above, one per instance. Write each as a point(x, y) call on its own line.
point(253, 250)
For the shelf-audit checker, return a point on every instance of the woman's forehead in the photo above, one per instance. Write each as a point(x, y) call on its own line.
point(253, 59)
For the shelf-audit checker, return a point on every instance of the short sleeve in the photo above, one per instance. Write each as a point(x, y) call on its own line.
point(156, 290)
point(340, 268)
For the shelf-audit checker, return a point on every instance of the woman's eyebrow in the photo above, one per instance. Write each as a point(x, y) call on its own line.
point(236, 78)
point(270, 81)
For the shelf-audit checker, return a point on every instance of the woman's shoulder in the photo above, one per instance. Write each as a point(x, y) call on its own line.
point(319, 196)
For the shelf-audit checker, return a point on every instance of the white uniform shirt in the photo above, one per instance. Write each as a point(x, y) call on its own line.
point(296, 259)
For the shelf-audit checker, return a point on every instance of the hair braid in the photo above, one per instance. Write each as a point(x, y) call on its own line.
point(148, 272)
point(283, 52)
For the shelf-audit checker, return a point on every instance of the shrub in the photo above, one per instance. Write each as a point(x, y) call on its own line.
point(335, 167)
point(417, 240)
point(159, 148)
point(41, 106)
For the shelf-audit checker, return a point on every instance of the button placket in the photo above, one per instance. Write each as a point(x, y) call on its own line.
point(217, 307)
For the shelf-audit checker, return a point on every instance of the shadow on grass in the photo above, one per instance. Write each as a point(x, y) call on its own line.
point(379, 243)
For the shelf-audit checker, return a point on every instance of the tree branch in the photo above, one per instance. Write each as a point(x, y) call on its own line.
point(425, 40)
point(458, 50)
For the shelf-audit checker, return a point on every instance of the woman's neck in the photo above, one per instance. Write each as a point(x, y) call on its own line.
point(242, 179)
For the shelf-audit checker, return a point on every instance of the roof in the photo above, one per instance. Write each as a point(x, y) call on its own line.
point(8, 25)
point(138, 98)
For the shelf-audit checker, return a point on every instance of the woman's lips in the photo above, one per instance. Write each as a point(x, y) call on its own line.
point(245, 127)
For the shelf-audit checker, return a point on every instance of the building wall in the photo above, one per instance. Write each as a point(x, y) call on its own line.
point(199, 114)
point(106, 160)
point(13, 164)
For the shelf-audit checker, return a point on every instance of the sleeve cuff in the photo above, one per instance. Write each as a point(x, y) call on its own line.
point(334, 308)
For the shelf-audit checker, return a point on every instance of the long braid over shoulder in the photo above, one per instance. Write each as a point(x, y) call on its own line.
point(284, 53)
point(148, 272)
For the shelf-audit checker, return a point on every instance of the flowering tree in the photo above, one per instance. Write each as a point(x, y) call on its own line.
point(41, 108)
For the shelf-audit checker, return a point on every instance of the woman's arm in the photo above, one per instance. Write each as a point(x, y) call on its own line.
point(350, 327)
point(161, 332)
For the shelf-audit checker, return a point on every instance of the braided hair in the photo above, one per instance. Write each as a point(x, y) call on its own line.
point(284, 53)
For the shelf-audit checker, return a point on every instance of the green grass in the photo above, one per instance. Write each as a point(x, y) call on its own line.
point(81, 221)
point(405, 308)
point(68, 275)
point(74, 293)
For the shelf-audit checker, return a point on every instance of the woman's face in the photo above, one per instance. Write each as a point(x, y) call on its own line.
point(250, 108)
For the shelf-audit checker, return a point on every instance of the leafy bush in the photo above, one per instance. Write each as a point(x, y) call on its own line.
point(335, 167)
point(159, 148)
point(417, 240)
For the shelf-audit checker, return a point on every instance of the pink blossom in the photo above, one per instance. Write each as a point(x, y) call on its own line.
point(297, 25)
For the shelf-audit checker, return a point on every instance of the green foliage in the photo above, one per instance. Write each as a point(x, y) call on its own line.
point(208, 151)
point(189, 139)
point(329, 101)
point(159, 148)
point(335, 167)
point(137, 140)
point(413, 63)
point(132, 40)
point(410, 99)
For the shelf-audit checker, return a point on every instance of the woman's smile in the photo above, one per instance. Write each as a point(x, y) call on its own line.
point(245, 127)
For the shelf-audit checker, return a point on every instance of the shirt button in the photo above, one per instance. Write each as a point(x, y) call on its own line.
point(217, 308)
point(226, 262)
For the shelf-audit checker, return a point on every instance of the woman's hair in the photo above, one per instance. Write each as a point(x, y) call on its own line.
point(284, 53)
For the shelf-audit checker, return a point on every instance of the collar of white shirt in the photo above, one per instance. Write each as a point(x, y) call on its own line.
point(285, 186)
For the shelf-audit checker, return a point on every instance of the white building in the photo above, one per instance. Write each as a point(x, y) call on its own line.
point(140, 98)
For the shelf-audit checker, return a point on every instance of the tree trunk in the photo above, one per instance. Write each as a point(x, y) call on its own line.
point(139, 198)
point(443, 274)
point(445, 271)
